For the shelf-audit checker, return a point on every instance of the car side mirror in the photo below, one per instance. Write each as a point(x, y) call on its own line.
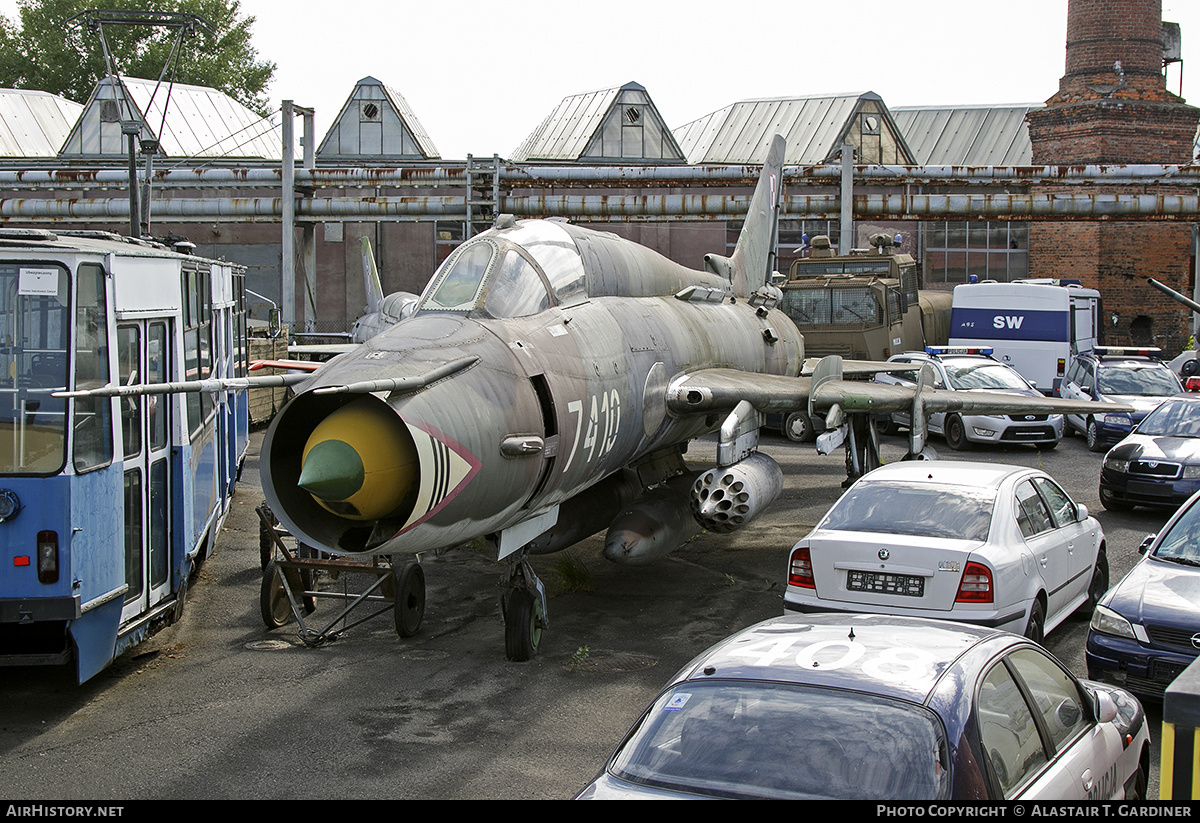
point(1104, 706)
point(1086, 389)
point(1081, 512)
point(1146, 541)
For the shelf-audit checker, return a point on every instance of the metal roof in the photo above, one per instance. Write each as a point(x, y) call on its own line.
point(619, 124)
point(815, 129)
point(34, 123)
point(967, 135)
point(199, 122)
point(376, 122)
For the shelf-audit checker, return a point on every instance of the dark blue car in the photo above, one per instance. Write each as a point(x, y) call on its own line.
point(1159, 464)
point(855, 706)
point(1146, 629)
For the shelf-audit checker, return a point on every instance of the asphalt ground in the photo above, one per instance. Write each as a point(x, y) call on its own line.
point(219, 707)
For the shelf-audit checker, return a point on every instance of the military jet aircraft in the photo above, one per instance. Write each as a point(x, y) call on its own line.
point(381, 311)
point(546, 388)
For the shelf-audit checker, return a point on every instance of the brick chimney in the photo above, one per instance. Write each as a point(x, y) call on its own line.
point(1113, 107)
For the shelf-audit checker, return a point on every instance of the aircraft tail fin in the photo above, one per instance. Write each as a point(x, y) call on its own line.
point(754, 256)
point(372, 285)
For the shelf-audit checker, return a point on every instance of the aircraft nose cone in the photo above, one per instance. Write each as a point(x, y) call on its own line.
point(333, 470)
point(360, 461)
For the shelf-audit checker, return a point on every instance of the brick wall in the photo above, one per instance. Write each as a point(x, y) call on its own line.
point(1102, 116)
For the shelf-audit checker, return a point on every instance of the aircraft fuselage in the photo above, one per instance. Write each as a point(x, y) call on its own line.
point(552, 402)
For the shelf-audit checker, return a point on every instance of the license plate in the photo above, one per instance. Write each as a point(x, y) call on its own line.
point(1162, 671)
point(1149, 489)
point(905, 585)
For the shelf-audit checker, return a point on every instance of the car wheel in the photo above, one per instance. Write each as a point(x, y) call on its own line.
point(798, 428)
point(1099, 584)
point(956, 433)
point(890, 426)
point(1190, 367)
point(1141, 783)
point(1093, 436)
point(1035, 630)
point(1114, 503)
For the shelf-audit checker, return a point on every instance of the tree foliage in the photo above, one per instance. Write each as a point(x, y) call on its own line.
point(43, 51)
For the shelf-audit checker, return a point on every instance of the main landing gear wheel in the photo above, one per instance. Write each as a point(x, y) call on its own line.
point(409, 604)
point(273, 600)
point(522, 626)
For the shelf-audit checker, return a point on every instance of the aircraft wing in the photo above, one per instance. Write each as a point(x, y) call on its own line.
point(857, 368)
point(710, 390)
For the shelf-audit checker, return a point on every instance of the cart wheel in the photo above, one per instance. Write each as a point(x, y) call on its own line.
point(273, 600)
point(410, 598)
point(522, 626)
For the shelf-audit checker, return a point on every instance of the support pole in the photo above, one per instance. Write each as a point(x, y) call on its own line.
point(846, 226)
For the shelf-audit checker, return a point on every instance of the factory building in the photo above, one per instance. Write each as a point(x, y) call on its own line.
point(222, 180)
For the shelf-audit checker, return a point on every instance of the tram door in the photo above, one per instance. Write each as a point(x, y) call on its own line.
point(143, 357)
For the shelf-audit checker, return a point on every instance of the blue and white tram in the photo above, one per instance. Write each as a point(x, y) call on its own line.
point(106, 503)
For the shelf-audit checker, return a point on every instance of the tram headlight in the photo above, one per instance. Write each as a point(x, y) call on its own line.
point(10, 505)
point(47, 556)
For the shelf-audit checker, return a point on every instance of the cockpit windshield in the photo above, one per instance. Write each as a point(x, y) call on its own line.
point(460, 280)
point(491, 275)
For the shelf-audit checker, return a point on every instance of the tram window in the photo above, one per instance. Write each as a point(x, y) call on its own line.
point(34, 328)
point(157, 368)
point(128, 350)
point(197, 342)
point(239, 330)
point(92, 422)
point(133, 535)
point(159, 548)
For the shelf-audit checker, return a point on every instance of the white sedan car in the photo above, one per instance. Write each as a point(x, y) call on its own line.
point(993, 545)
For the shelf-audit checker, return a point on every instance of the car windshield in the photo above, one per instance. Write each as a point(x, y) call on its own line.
point(743, 739)
point(1147, 381)
point(893, 507)
point(1174, 418)
point(1182, 543)
point(983, 375)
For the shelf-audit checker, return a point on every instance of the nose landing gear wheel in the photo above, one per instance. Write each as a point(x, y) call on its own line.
point(410, 598)
point(522, 626)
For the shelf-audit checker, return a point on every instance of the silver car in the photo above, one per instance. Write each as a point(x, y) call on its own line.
point(974, 370)
point(982, 543)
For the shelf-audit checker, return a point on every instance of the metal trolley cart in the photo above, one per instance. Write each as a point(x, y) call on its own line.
point(290, 586)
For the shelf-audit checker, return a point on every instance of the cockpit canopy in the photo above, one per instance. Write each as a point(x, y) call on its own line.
point(512, 272)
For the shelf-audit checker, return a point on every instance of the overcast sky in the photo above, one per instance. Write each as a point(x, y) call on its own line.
point(481, 75)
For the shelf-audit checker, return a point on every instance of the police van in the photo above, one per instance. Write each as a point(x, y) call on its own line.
point(1035, 326)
